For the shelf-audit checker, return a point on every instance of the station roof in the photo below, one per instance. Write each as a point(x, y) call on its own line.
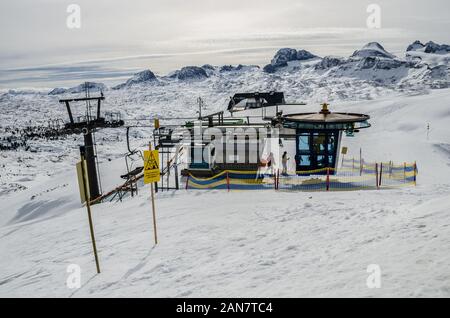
point(326, 118)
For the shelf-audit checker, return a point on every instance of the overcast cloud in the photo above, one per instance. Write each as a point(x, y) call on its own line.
point(120, 37)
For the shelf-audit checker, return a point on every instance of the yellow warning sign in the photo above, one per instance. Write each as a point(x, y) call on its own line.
point(151, 166)
point(344, 150)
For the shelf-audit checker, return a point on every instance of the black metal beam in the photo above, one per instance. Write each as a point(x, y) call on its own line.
point(70, 112)
point(81, 99)
point(98, 107)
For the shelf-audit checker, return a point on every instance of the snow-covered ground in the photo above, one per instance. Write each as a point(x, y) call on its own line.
point(239, 243)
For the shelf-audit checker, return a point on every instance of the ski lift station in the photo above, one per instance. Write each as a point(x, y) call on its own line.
point(260, 141)
point(260, 127)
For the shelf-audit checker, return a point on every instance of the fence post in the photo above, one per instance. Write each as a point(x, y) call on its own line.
point(415, 173)
point(360, 161)
point(376, 174)
point(328, 179)
point(381, 174)
point(278, 179)
point(404, 172)
point(177, 185)
point(274, 180)
point(187, 182)
point(390, 168)
point(228, 182)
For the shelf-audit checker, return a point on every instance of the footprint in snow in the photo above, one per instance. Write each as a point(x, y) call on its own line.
point(291, 248)
point(267, 263)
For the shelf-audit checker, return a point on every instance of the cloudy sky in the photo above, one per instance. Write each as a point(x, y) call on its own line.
point(117, 38)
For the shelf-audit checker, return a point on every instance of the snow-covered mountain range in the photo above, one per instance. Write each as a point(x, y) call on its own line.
point(424, 65)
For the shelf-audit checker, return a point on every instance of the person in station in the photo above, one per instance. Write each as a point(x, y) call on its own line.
point(270, 163)
point(284, 161)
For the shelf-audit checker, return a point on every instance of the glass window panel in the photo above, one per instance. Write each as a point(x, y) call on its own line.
point(305, 160)
point(319, 142)
point(331, 142)
point(303, 143)
point(330, 160)
point(322, 161)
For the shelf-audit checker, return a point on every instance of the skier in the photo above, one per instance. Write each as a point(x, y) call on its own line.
point(284, 161)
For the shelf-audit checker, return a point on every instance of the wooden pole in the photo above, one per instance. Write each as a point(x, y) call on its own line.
point(153, 205)
point(88, 207)
point(154, 214)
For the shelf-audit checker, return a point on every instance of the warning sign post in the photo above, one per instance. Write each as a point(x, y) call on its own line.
point(85, 198)
point(151, 175)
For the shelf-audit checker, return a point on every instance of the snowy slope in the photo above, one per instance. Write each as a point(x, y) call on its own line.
point(262, 243)
point(251, 244)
